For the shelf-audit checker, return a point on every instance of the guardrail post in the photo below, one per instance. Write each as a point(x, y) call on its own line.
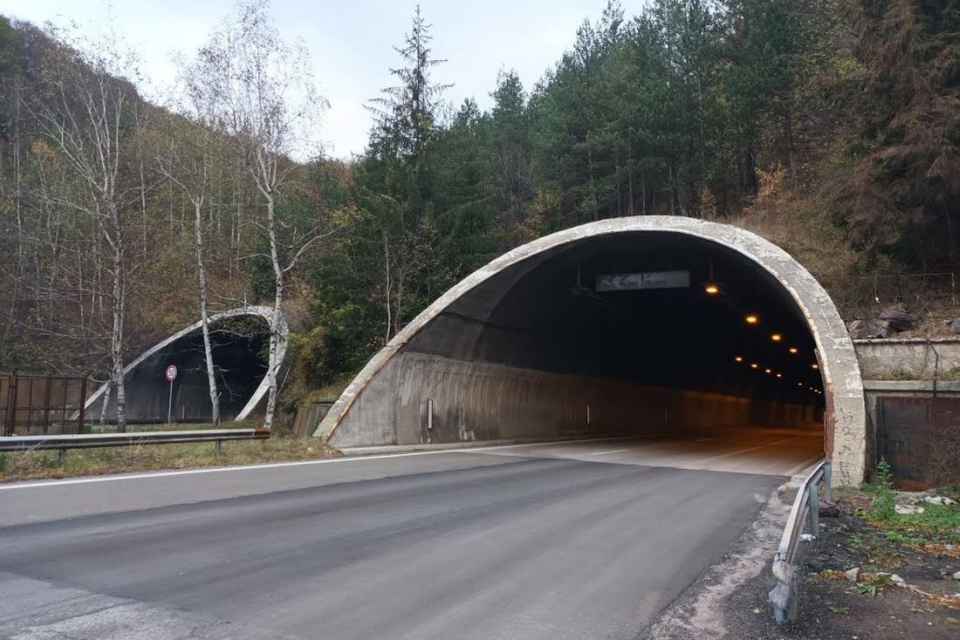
point(63, 456)
point(216, 447)
point(784, 595)
point(813, 497)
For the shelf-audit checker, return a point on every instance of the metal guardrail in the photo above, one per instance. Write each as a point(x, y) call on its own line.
point(93, 440)
point(783, 597)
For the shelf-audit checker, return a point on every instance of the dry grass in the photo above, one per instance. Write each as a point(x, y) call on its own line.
point(801, 226)
point(31, 465)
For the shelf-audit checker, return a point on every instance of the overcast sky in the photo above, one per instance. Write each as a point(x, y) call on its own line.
point(350, 41)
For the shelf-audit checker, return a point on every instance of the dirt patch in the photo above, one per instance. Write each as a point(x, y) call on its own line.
point(873, 606)
point(731, 599)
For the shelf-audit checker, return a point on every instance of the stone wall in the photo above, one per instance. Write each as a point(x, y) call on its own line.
point(909, 358)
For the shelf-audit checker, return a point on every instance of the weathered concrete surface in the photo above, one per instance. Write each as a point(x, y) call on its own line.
point(918, 358)
point(373, 400)
point(479, 401)
point(147, 389)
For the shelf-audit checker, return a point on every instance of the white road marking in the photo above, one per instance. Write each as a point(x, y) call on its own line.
point(736, 453)
point(806, 463)
point(279, 465)
point(606, 453)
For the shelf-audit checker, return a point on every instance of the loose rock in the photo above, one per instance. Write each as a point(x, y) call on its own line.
point(956, 576)
point(852, 575)
point(897, 580)
point(829, 509)
point(861, 329)
point(940, 500)
point(908, 509)
point(899, 318)
point(954, 325)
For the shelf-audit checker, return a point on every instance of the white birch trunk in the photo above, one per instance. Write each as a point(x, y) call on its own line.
point(204, 316)
point(116, 335)
point(106, 401)
point(273, 364)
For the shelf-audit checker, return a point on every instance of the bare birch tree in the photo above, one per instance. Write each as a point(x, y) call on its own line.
point(89, 118)
point(258, 90)
point(187, 161)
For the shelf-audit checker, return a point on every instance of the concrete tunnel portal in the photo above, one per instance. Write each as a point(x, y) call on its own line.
point(632, 326)
point(238, 343)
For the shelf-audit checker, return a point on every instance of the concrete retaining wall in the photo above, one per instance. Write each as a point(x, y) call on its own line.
point(479, 401)
point(907, 358)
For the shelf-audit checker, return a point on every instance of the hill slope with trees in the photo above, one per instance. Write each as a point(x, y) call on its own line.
point(830, 126)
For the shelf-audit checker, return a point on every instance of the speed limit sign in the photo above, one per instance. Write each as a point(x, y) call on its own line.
point(171, 374)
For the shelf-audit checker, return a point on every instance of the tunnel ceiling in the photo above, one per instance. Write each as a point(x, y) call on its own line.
point(551, 317)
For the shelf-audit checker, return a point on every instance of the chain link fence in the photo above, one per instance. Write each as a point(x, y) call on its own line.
point(932, 297)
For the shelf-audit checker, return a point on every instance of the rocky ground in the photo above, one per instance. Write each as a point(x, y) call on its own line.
point(875, 572)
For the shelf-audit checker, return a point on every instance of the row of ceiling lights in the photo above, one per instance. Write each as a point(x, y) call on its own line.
point(752, 319)
point(754, 365)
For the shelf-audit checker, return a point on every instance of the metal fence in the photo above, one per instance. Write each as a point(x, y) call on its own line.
point(920, 439)
point(931, 296)
point(783, 597)
point(36, 403)
point(62, 443)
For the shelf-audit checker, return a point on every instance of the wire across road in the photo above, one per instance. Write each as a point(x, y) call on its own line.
point(573, 540)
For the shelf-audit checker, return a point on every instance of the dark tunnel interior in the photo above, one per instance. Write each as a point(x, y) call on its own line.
point(239, 355)
point(698, 337)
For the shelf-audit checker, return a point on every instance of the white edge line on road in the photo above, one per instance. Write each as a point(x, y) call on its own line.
point(606, 453)
point(736, 453)
point(806, 463)
point(275, 465)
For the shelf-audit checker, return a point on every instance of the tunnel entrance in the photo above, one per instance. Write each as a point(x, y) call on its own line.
point(636, 326)
point(239, 344)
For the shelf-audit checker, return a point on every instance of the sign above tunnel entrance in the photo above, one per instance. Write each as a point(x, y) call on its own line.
point(644, 280)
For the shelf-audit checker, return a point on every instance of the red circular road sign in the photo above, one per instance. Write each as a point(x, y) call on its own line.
point(171, 372)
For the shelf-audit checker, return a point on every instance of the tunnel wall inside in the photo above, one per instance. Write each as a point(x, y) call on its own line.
point(482, 401)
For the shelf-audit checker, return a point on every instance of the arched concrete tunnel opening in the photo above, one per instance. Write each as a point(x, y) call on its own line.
point(239, 346)
point(648, 327)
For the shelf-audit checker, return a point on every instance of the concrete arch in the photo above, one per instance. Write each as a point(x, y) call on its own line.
point(357, 409)
point(249, 404)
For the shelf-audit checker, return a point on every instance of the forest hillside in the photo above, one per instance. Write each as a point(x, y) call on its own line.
point(830, 126)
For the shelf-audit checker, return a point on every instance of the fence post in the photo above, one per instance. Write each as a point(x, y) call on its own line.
point(12, 405)
point(83, 404)
point(46, 404)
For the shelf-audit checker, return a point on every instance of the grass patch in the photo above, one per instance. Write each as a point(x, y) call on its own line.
point(30, 465)
point(937, 523)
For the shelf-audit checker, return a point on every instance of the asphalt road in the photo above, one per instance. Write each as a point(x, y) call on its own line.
point(580, 540)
